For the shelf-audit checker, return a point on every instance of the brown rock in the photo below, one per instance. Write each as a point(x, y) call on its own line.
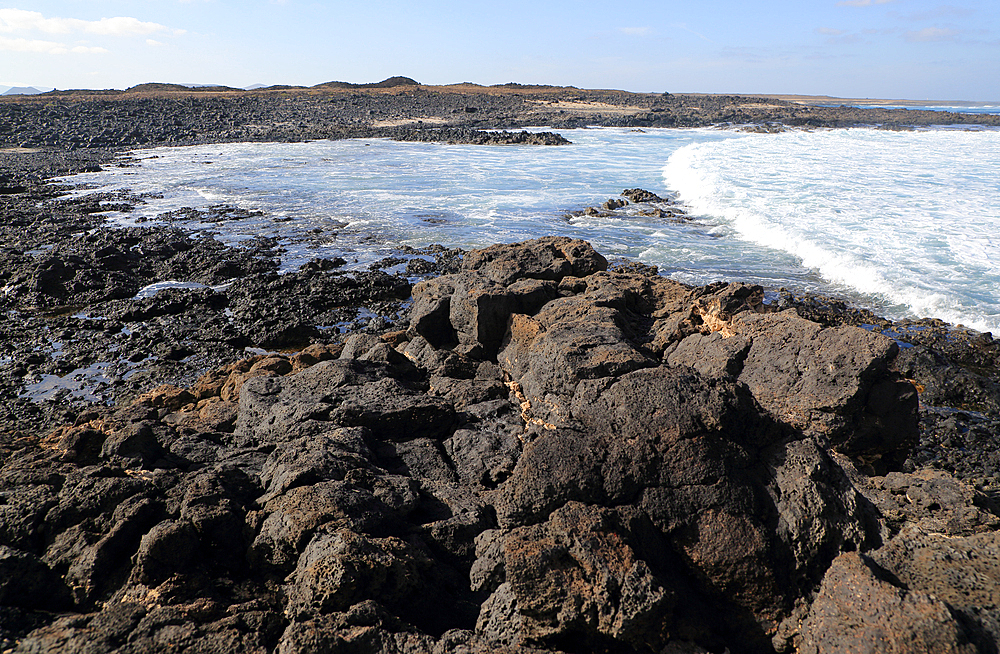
point(832, 382)
point(856, 611)
point(576, 578)
point(551, 258)
point(168, 397)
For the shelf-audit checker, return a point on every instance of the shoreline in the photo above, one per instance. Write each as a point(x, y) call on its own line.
point(146, 119)
point(454, 438)
point(25, 171)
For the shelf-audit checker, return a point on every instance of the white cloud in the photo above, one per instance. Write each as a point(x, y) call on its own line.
point(21, 20)
point(683, 26)
point(634, 31)
point(154, 42)
point(929, 34)
point(25, 45)
point(45, 47)
point(83, 49)
point(829, 31)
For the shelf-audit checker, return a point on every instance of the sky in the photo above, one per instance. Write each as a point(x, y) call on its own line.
point(906, 49)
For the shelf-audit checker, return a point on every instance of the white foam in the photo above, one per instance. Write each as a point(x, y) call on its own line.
point(906, 222)
point(909, 217)
point(152, 289)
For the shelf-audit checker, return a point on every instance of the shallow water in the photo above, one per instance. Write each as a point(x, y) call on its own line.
point(904, 222)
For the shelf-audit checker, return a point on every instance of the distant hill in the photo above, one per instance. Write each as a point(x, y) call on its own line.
point(23, 90)
point(68, 92)
point(515, 85)
point(384, 84)
point(279, 87)
point(160, 87)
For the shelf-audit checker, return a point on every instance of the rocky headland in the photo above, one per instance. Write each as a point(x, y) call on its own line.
point(529, 450)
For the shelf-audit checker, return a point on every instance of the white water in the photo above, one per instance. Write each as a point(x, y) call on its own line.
point(910, 218)
point(905, 222)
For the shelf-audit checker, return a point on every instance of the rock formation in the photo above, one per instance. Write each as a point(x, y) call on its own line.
point(553, 457)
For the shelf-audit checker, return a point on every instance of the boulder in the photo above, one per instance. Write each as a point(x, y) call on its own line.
point(577, 580)
point(549, 258)
point(858, 610)
point(833, 383)
point(340, 568)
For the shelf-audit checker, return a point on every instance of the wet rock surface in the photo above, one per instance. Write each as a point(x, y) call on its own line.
point(548, 455)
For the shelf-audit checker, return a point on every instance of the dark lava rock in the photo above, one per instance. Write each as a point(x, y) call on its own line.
point(554, 456)
point(281, 310)
point(478, 137)
point(548, 456)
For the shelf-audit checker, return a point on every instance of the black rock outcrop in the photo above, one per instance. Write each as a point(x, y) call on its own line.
point(554, 456)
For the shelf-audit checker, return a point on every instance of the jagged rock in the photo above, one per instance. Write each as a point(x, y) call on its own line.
point(832, 382)
point(165, 549)
point(26, 582)
point(480, 308)
point(293, 518)
point(857, 610)
point(576, 579)
point(962, 572)
point(549, 258)
point(347, 393)
point(552, 456)
point(641, 195)
point(326, 456)
point(932, 499)
point(340, 568)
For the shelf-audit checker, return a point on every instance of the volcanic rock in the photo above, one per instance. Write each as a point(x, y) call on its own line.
point(552, 457)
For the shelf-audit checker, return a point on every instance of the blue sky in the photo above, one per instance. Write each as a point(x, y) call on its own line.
point(911, 49)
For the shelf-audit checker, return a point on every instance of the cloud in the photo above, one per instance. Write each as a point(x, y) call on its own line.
point(635, 31)
point(946, 11)
point(932, 34)
point(45, 47)
point(839, 37)
point(862, 3)
point(683, 26)
point(154, 42)
point(20, 20)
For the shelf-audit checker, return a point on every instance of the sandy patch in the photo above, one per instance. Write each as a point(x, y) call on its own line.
point(586, 107)
point(408, 122)
point(759, 105)
point(18, 150)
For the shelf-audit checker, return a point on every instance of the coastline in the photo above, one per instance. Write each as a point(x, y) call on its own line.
point(71, 308)
point(146, 118)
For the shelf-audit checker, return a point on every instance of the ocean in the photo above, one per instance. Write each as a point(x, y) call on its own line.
point(906, 223)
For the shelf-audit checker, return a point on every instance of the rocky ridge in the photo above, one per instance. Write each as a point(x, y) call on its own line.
point(551, 456)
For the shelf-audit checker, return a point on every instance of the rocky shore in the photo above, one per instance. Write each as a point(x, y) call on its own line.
point(528, 450)
point(151, 115)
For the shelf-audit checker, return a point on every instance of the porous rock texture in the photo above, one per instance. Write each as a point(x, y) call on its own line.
point(553, 457)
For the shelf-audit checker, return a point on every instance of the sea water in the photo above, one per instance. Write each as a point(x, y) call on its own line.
point(907, 223)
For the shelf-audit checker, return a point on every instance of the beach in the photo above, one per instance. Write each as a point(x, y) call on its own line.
point(198, 434)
